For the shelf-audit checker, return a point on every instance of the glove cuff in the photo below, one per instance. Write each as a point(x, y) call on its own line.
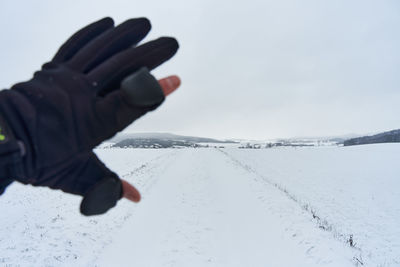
point(11, 153)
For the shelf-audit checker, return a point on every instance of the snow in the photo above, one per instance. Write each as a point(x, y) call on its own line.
point(219, 207)
point(353, 191)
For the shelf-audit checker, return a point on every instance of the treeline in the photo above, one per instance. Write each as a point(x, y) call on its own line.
point(152, 143)
point(385, 137)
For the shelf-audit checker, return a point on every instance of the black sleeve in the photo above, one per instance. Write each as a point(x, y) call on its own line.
point(10, 153)
point(4, 183)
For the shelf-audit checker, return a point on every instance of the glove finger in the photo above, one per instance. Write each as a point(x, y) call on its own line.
point(139, 94)
point(109, 43)
point(109, 75)
point(81, 38)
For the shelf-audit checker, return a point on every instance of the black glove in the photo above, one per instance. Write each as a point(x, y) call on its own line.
point(96, 85)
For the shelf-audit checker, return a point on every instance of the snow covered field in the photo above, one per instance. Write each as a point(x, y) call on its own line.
point(220, 207)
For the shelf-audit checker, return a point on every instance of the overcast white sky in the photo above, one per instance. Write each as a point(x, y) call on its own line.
point(250, 69)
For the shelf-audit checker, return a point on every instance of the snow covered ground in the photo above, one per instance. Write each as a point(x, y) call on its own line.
point(349, 191)
point(219, 207)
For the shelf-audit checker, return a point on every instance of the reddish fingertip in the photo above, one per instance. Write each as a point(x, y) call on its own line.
point(170, 84)
point(130, 192)
point(175, 81)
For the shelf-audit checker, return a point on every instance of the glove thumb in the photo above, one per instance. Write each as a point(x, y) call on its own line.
point(102, 196)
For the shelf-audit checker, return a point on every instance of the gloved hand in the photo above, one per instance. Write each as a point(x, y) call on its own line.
point(96, 85)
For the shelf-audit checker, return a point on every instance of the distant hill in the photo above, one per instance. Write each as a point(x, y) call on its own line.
point(385, 137)
point(167, 136)
point(161, 140)
point(338, 139)
point(152, 143)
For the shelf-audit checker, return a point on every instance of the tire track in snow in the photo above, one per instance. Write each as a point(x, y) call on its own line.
point(321, 223)
point(144, 178)
point(145, 173)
